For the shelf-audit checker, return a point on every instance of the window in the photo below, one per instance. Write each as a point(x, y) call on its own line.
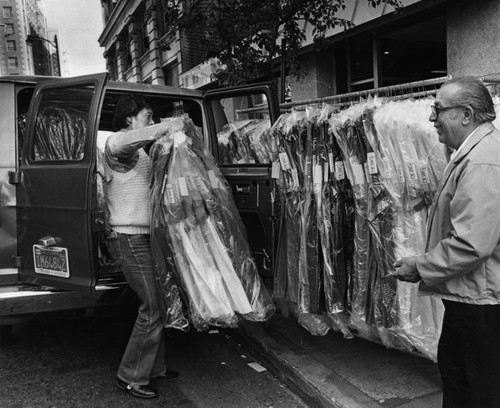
point(9, 28)
point(142, 22)
point(165, 27)
point(7, 12)
point(12, 62)
point(23, 103)
point(61, 124)
point(112, 64)
point(242, 125)
point(125, 50)
point(11, 45)
point(171, 74)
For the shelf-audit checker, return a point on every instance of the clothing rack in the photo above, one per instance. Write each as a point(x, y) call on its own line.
point(346, 104)
point(399, 90)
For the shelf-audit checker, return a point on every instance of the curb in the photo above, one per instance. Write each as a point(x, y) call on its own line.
point(314, 382)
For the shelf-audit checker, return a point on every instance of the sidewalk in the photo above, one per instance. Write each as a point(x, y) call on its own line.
point(332, 372)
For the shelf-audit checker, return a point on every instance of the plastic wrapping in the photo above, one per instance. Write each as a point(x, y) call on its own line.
point(327, 196)
point(303, 274)
point(413, 146)
point(346, 131)
point(289, 156)
point(60, 134)
point(334, 222)
point(309, 262)
point(315, 279)
point(198, 238)
point(357, 187)
point(247, 141)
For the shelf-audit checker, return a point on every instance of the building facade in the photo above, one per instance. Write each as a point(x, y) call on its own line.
point(25, 48)
point(424, 40)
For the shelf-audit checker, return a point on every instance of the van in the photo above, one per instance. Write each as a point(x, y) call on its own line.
point(53, 253)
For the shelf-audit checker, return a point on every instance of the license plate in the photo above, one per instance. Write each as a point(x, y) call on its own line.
point(51, 261)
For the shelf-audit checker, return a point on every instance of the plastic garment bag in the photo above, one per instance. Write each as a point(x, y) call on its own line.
point(358, 184)
point(247, 141)
point(346, 130)
point(412, 162)
point(287, 129)
point(333, 221)
point(199, 239)
point(60, 134)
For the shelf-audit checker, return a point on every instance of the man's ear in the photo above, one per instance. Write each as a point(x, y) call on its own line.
point(129, 120)
point(468, 115)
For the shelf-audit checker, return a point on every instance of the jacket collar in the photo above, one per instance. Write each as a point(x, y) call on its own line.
point(479, 133)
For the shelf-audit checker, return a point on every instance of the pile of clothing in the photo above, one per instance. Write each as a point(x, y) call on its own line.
point(204, 263)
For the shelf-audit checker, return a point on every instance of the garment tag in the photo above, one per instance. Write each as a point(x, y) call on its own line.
point(285, 162)
point(275, 170)
point(191, 183)
point(318, 174)
point(201, 185)
point(357, 171)
point(372, 163)
point(423, 172)
point(401, 174)
point(331, 161)
point(295, 177)
point(213, 179)
point(339, 170)
point(169, 192)
point(183, 186)
point(412, 171)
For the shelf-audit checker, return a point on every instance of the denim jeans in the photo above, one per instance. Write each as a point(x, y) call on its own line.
point(144, 356)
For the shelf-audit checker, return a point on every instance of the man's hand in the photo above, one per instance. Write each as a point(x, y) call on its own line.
point(406, 270)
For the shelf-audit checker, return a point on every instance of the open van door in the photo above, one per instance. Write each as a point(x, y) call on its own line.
point(237, 120)
point(56, 217)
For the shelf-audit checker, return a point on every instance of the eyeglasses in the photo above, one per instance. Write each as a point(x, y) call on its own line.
point(436, 110)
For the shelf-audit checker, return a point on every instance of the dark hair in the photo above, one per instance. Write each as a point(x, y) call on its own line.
point(129, 105)
point(473, 93)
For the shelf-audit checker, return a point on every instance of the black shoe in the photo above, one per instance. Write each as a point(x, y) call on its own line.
point(140, 391)
point(168, 376)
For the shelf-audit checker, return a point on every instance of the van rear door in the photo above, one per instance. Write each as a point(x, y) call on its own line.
point(56, 218)
point(237, 120)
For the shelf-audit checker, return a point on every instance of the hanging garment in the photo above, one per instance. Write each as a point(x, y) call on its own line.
point(247, 141)
point(403, 133)
point(343, 126)
point(197, 220)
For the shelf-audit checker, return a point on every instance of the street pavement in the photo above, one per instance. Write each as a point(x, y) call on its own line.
point(62, 361)
point(333, 372)
point(68, 360)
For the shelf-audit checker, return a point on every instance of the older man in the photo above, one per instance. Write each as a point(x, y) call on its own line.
point(461, 263)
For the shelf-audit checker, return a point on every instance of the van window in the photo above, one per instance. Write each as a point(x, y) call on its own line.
point(243, 127)
point(23, 103)
point(61, 124)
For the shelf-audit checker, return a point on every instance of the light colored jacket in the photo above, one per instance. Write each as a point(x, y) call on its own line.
point(462, 256)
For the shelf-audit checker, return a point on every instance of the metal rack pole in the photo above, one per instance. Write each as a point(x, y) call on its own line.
point(386, 89)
